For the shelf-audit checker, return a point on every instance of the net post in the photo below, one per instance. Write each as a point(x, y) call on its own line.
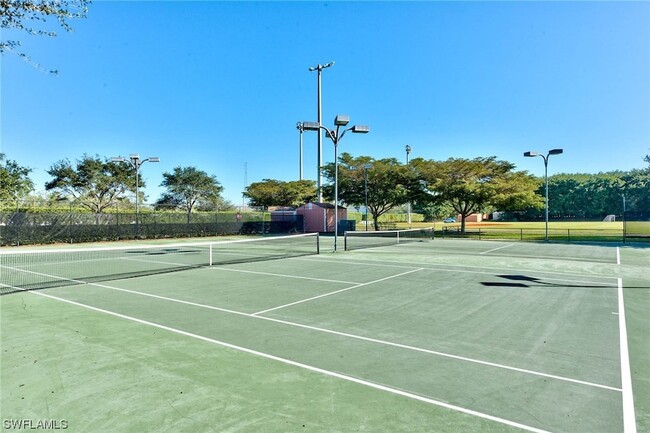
point(398, 237)
point(210, 254)
point(317, 243)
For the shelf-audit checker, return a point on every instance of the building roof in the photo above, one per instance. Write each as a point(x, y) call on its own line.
point(321, 205)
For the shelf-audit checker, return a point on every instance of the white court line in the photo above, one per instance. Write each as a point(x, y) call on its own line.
point(335, 292)
point(357, 337)
point(352, 379)
point(272, 274)
point(244, 271)
point(629, 417)
point(257, 316)
point(470, 270)
point(495, 249)
point(460, 253)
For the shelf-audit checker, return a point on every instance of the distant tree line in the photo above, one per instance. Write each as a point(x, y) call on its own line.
point(96, 184)
point(436, 189)
point(594, 196)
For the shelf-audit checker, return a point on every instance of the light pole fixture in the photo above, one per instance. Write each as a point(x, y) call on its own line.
point(319, 68)
point(531, 154)
point(336, 135)
point(301, 129)
point(408, 205)
point(136, 162)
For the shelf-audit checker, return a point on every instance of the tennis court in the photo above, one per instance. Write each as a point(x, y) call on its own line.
point(432, 335)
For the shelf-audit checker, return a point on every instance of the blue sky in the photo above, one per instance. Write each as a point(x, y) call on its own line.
point(221, 85)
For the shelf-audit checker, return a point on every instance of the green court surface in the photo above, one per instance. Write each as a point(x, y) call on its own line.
point(432, 336)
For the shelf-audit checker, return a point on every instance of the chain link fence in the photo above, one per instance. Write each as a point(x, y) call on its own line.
point(43, 226)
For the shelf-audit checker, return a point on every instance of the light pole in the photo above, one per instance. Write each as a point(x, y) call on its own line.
point(319, 68)
point(301, 130)
point(136, 162)
point(366, 167)
point(532, 154)
point(408, 205)
point(336, 135)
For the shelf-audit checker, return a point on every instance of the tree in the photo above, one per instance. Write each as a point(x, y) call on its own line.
point(33, 16)
point(472, 185)
point(95, 183)
point(220, 204)
point(591, 196)
point(636, 187)
point(271, 192)
point(389, 183)
point(188, 187)
point(14, 180)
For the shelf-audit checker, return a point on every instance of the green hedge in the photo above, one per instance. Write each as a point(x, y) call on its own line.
point(28, 228)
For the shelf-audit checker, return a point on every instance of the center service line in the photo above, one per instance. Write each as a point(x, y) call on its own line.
point(335, 292)
point(495, 249)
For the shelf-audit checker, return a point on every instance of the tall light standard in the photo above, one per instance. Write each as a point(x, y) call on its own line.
point(336, 135)
point(301, 130)
point(408, 205)
point(319, 68)
point(136, 162)
point(532, 154)
point(366, 167)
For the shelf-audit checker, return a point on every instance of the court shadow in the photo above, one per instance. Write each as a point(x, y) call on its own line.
point(526, 281)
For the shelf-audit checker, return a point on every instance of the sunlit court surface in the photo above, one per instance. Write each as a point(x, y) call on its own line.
point(434, 335)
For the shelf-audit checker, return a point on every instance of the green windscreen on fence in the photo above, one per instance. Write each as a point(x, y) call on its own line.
point(637, 225)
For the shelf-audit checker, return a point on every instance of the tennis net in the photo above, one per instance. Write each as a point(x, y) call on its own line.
point(46, 268)
point(356, 240)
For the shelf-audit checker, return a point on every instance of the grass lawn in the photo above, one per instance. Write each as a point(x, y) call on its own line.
point(594, 231)
point(562, 225)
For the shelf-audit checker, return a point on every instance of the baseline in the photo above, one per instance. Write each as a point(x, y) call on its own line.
point(388, 250)
point(468, 269)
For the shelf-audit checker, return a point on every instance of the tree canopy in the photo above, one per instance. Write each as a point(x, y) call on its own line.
point(271, 192)
point(188, 187)
point(591, 196)
point(35, 17)
point(14, 180)
point(389, 183)
point(473, 185)
point(94, 183)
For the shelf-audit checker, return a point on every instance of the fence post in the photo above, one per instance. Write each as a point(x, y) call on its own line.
point(70, 224)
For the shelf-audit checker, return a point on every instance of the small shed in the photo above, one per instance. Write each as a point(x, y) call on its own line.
point(319, 217)
point(473, 218)
point(283, 214)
